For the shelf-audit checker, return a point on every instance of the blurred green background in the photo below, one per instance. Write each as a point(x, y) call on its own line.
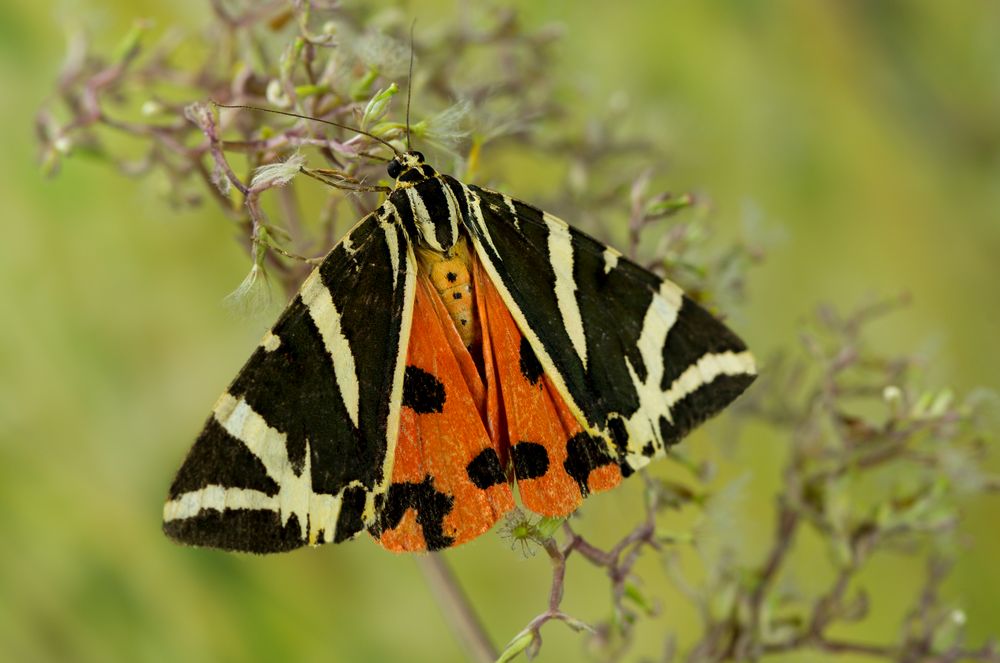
point(868, 131)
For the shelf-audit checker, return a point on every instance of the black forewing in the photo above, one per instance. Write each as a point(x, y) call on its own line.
point(612, 305)
point(294, 388)
point(614, 297)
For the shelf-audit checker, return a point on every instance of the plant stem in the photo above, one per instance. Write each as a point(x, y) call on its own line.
point(457, 609)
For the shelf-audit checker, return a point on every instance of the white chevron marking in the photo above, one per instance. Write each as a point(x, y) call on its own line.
point(314, 512)
point(705, 370)
point(660, 317)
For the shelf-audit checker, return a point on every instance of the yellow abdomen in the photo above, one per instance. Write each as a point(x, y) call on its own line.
point(451, 275)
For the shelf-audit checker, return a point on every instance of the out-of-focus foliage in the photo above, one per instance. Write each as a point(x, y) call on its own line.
point(856, 142)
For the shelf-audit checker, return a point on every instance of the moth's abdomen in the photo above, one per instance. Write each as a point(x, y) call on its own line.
point(450, 274)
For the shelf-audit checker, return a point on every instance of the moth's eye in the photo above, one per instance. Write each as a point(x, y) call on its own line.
point(394, 169)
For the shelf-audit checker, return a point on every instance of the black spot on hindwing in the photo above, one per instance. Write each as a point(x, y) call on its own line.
point(422, 392)
point(531, 460)
point(585, 453)
point(430, 505)
point(485, 470)
point(531, 368)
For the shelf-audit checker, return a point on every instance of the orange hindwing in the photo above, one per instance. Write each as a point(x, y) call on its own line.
point(448, 484)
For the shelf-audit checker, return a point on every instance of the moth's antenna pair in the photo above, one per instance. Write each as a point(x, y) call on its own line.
point(409, 91)
point(313, 119)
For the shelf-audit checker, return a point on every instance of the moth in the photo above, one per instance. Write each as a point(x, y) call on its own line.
point(455, 344)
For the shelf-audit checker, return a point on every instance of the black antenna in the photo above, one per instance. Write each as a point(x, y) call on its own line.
point(409, 87)
point(316, 119)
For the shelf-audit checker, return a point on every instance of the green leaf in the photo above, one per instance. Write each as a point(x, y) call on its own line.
point(635, 595)
point(131, 44)
point(519, 644)
point(361, 88)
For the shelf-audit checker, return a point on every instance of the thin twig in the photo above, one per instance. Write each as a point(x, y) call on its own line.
point(457, 609)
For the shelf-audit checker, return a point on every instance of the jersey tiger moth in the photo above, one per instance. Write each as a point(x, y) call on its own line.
point(454, 343)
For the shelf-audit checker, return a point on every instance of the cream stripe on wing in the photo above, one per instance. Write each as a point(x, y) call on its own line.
point(392, 241)
point(513, 211)
point(264, 442)
point(660, 318)
point(314, 512)
point(454, 215)
point(271, 447)
point(218, 498)
point(561, 260)
point(422, 219)
point(705, 370)
point(476, 218)
point(396, 394)
point(324, 313)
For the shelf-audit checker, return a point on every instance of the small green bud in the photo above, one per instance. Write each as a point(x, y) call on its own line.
point(290, 57)
point(378, 105)
point(547, 526)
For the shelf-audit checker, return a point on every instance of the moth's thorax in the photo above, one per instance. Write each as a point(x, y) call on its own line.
point(427, 203)
point(451, 275)
point(430, 207)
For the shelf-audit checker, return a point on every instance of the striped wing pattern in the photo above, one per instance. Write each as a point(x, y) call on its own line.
point(302, 442)
point(363, 407)
point(639, 362)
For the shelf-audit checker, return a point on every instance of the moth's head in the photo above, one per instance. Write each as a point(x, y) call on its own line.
point(409, 167)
